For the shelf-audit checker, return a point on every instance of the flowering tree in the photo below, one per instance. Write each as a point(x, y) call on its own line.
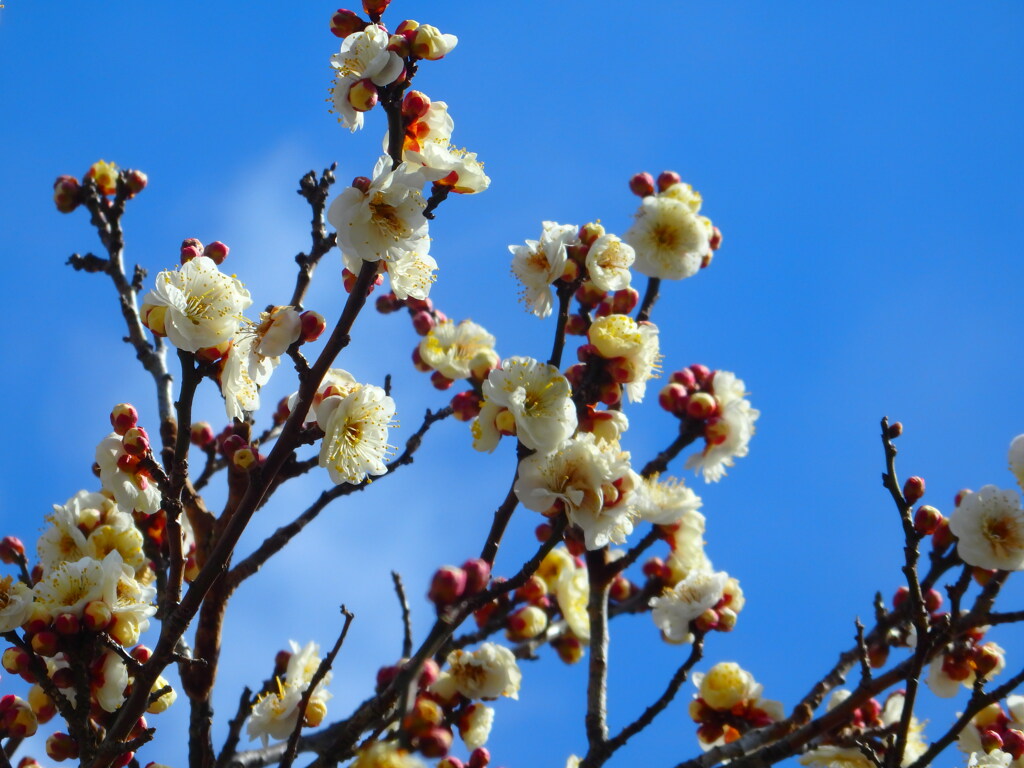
point(118, 613)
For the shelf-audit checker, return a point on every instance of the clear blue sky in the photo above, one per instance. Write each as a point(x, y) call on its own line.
point(863, 161)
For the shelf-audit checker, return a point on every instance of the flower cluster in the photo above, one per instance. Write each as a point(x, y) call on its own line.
point(715, 402)
point(728, 703)
point(670, 237)
point(997, 732)
point(276, 712)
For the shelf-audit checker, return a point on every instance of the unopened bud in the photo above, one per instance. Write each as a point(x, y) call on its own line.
point(985, 659)
point(217, 251)
point(900, 597)
point(136, 181)
point(569, 648)
point(415, 105)
point(526, 623)
point(590, 232)
point(45, 643)
point(67, 624)
point(15, 660)
point(422, 322)
point(60, 747)
point(429, 673)
point(942, 537)
point(210, 355)
point(362, 184)
point(375, 8)
point(505, 422)
point(447, 586)
point(726, 620)
point(66, 193)
point(715, 240)
point(12, 550)
point(123, 417)
point(684, 378)
point(201, 434)
point(41, 704)
point(932, 600)
point(990, 740)
point(466, 405)
point(982, 576)
point(700, 373)
point(610, 393)
point(642, 184)
point(434, 742)
point(701, 405)
point(478, 573)
point(153, 318)
point(136, 441)
point(625, 301)
point(440, 381)
point(913, 489)
point(97, 615)
point(927, 519)
point(479, 758)
point(570, 272)
point(430, 44)
point(1013, 743)
point(313, 324)
point(345, 23)
point(667, 178)
point(878, 655)
point(363, 96)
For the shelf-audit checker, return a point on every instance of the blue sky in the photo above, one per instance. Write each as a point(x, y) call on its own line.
point(862, 160)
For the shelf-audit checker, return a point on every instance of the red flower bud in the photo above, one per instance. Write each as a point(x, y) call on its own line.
point(478, 573)
point(12, 550)
point(345, 23)
point(667, 178)
point(913, 489)
point(642, 185)
point(313, 324)
point(217, 251)
point(447, 586)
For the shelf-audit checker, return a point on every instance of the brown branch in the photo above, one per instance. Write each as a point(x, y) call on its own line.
point(277, 540)
point(689, 430)
point(403, 603)
point(565, 292)
point(596, 719)
point(650, 297)
point(318, 676)
point(245, 702)
point(315, 191)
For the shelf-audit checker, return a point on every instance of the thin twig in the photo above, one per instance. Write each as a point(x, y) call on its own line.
point(318, 676)
point(403, 602)
point(245, 703)
point(650, 296)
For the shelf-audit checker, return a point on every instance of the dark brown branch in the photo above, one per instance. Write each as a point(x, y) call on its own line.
point(318, 676)
point(596, 719)
point(245, 702)
point(565, 293)
point(403, 603)
point(650, 297)
point(315, 191)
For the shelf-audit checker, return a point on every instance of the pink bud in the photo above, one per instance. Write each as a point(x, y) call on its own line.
point(12, 550)
point(701, 406)
point(900, 597)
point(429, 674)
point(990, 740)
point(932, 600)
point(385, 675)
point(942, 537)
point(415, 105)
point(926, 519)
point(142, 653)
point(232, 443)
point(422, 323)
point(375, 8)
point(674, 399)
point(1013, 742)
point(479, 758)
point(201, 434)
point(478, 573)
point(447, 586)
point(440, 381)
point(466, 405)
point(123, 417)
point(685, 378)
point(388, 303)
point(136, 181)
point(913, 489)
point(576, 325)
point(362, 184)
point(136, 441)
point(67, 624)
point(66, 193)
point(716, 241)
point(217, 251)
point(190, 248)
point(543, 532)
point(666, 179)
point(345, 23)
point(313, 324)
point(625, 301)
point(642, 184)
point(434, 741)
point(700, 373)
point(45, 643)
point(418, 363)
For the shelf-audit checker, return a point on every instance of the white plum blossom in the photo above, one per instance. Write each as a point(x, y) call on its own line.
point(69, 587)
point(688, 546)
point(664, 502)
point(452, 349)
point(989, 526)
point(114, 676)
point(453, 167)
point(486, 673)
point(385, 754)
point(355, 426)
point(1016, 459)
point(385, 221)
point(572, 592)
point(538, 398)
point(994, 759)
point(669, 237)
point(727, 435)
point(363, 56)
point(540, 263)
point(677, 606)
point(475, 725)
point(276, 713)
point(131, 491)
point(245, 371)
point(941, 684)
point(196, 306)
point(608, 263)
point(590, 480)
point(15, 603)
point(632, 348)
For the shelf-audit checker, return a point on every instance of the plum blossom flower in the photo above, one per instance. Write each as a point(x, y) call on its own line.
point(540, 263)
point(355, 426)
point(727, 435)
point(590, 480)
point(15, 603)
point(572, 592)
point(385, 754)
point(1016, 459)
point(131, 490)
point(631, 346)
point(664, 502)
point(688, 546)
point(452, 349)
point(385, 221)
point(363, 56)
point(113, 679)
point(276, 713)
point(989, 526)
point(608, 263)
point(475, 725)
point(195, 306)
point(677, 606)
point(69, 587)
point(486, 673)
point(538, 398)
point(944, 685)
point(245, 371)
point(669, 237)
